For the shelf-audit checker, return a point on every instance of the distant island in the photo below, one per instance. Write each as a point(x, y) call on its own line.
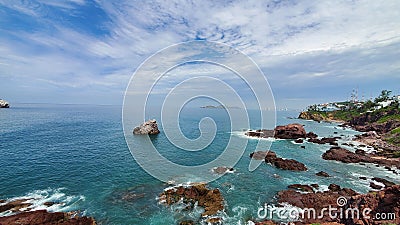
point(4, 104)
point(219, 107)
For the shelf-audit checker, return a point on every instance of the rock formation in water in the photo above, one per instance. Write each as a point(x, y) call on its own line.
point(285, 164)
point(148, 127)
point(4, 104)
point(290, 131)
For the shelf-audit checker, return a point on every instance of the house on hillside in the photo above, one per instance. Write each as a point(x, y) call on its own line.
point(383, 104)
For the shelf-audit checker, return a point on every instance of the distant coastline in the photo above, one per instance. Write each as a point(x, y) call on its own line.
point(219, 107)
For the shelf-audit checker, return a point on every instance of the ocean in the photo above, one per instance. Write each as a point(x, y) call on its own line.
point(77, 157)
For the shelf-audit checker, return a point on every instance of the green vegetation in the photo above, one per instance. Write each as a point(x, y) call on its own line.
point(389, 117)
point(393, 140)
point(349, 110)
point(395, 131)
point(396, 154)
point(384, 96)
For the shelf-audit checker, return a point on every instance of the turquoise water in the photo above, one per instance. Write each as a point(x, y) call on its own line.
point(78, 155)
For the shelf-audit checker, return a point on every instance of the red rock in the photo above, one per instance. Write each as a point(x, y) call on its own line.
point(285, 164)
point(258, 155)
point(211, 200)
point(42, 217)
point(322, 174)
point(385, 201)
point(290, 131)
point(301, 187)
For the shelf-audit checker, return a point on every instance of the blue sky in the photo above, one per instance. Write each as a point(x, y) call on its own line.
point(78, 51)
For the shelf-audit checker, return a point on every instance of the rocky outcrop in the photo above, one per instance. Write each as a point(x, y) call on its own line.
point(311, 116)
point(42, 217)
point(317, 201)
point(222, 170)
point(260, 133)
point(285, 164)
point(311, 135)
point(383, 181)
point(375, 186)
point(385, 202)
point(375, 140)
point(148, 127)
point(346, 156)
point(324, 140)
point(290, 131)
point(15, 206)
point(4, 104)
point(210, 199)
point(322, 174)
point(370, 121)
point(259, 155)
point(302, 187)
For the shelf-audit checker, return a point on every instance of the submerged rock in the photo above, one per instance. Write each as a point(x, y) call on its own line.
point(148, 127)
point(322, 174)
point(290, 131)
point(223, 170)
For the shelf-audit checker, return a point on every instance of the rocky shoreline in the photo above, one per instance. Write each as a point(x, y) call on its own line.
point(383, 196)
point(343, 200)
point(381, 129)
point(20, 213)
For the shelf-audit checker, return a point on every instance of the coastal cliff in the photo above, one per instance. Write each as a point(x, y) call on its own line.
point(381, 124)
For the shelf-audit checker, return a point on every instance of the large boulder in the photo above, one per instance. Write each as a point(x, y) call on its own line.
point(148, 127)
point(290, 131)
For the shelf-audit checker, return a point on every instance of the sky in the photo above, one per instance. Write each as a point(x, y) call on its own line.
point(85, 52)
